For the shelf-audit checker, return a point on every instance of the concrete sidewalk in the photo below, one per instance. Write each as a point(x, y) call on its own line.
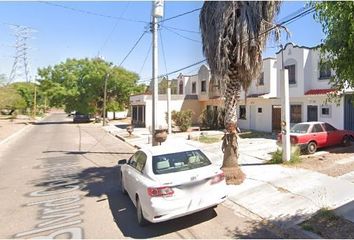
point(282, 195)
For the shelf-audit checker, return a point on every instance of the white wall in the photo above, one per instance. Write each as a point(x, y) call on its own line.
point(292, 55)
point(203, 75)
point(261, 121)
point(176, 104)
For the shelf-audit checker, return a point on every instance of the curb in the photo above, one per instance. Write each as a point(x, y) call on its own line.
point(122, 139)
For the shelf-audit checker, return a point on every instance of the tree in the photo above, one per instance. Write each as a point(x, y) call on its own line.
point(78, 84)
point(337, 19)
point(232, 43)
point(11, 100)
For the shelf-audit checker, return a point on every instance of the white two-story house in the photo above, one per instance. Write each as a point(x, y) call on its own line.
point(261, 109)
point(308, 89)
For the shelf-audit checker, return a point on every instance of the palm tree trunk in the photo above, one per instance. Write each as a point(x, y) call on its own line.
point(230, 166)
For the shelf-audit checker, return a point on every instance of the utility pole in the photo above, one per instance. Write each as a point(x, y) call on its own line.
point(285, 123)
point(105, 99)
point(169, 107)
point(157, 11)
point(35, 102)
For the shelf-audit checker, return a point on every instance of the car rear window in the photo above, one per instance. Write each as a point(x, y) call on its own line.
point(300, 128)
point(177, 162)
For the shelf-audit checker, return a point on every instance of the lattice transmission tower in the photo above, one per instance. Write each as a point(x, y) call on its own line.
point(20, 67)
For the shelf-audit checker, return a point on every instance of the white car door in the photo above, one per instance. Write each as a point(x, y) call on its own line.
point(137, 181)
point(129, 176)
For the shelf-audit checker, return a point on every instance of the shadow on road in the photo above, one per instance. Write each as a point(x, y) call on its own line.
point(104, 182)
point(100, 181)
point(52, 123)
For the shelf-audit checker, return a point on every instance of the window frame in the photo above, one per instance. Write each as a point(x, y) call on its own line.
point(291, 69)
point(261, 79)
point(194, 87)
point(329, 115)
point(243, 108)
point(203, 86)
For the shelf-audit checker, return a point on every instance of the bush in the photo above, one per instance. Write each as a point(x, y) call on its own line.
point(277, 156)
point(213, 119)
point(183, 119)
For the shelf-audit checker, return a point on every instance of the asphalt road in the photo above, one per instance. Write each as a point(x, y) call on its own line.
point(59, 180)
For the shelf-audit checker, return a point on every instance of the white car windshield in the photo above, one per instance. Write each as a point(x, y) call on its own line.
point(181, 161)
point(300, 128)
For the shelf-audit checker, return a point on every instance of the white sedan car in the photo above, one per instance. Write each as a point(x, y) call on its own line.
point(165, 183)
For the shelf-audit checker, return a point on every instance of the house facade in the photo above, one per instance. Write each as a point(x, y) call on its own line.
point(260, 107)
point(309, 87)
point(192, 94)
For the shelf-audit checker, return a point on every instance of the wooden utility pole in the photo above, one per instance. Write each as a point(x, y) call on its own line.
point(34, 102)
point(105, 99)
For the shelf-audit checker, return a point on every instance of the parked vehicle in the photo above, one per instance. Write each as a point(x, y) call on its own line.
point(81, 118)
point(310, 136)
point(167, 182)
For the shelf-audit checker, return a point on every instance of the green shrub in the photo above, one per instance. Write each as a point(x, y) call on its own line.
point(277, 156)
point(183, 119)
point(212, 118)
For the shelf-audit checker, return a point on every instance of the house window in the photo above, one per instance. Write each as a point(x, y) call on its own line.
point(259, 110)
point(261, 79)
point(295, 113)
point(325, 111)
point(194, 87)
point(291, 73)
point(325, 70)
point(203, 86)
point(242, 112)
point(180, 87)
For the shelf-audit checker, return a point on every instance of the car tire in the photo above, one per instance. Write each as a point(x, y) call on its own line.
point(139, 214)
point(346, 141)
point(311, 148)
point(122, 188)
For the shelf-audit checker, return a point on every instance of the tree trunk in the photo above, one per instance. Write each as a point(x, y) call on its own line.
point(232, 171)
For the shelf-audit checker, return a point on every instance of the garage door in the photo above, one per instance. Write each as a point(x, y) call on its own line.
point(348, 112)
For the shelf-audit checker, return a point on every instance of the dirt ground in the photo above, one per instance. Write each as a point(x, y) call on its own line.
point(329, 226)
point(10, 126)
point(334, 161)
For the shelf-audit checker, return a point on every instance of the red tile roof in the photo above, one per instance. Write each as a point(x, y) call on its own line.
point(319, 91)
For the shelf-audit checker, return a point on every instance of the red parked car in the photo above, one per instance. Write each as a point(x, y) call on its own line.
point(312, 135)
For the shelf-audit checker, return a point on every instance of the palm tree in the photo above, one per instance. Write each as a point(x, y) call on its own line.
point(234, 34)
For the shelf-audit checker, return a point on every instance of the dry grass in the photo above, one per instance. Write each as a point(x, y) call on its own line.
point(328, 225)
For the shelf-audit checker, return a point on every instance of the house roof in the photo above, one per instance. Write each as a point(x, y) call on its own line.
point(319, 91)
point(191, 97)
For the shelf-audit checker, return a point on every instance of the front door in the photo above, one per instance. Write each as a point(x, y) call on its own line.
point(312, 113)
point(276, 118)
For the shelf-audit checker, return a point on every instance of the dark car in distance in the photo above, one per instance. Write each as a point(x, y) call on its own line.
point(81, 118)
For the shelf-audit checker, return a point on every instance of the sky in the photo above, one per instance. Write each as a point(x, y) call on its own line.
point(89, 29)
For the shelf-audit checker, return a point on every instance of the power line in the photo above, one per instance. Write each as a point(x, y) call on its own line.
point(182, 30)
point(91, 13)
point(114, 27)
point(176, 71)
point(146, 57)
point(285, 22)
point(134, 46)
point(182, 36)
point(163, 51)
point(180, 15)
